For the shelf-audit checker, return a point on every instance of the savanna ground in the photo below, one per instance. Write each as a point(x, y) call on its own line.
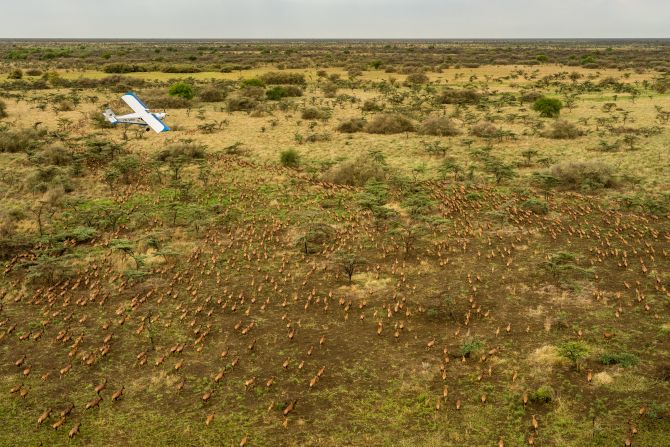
point(338, 243)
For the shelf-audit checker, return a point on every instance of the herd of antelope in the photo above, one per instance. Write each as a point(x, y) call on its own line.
point(246, 313)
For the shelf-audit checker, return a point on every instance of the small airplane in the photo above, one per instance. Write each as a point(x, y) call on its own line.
point(142, 116)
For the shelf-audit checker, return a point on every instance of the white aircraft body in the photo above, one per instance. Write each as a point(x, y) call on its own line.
point(141, 117)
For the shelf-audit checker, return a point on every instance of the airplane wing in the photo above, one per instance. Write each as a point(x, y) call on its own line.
point(143, 113)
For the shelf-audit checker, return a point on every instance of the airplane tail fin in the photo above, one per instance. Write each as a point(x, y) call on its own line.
point(110, 116)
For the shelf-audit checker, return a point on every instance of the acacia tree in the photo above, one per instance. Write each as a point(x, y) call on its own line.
point(348, 262)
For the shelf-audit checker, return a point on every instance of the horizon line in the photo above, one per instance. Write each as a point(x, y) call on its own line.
point(334, 38)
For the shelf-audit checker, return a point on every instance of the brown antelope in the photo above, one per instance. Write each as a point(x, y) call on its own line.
point(73, 432)
point(290, 407)
point(94, 403)
point(117, 394)
point(43, 417)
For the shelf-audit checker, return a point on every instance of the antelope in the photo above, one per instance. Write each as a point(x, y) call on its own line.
point(207, 395)
point(101, 386)
point(290, 407)
point(43, 417)
point(94, 403)
point(117, 394)
point(67, 410)
point(74, 430)
point(534, 422)
point(56, 425)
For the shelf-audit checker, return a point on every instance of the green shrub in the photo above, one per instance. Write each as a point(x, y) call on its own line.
point(624, 359)
point(537, 206)
point(439, 126)
point(182, 90)
point(253, 82)
point(544, 394)
point(279, 92)
point(573, 351)
point(351, 125)
point(389, 124)
point(276, 93)
point(289, 158)
point(3, 109)
point(548, 107)
point(470, 346)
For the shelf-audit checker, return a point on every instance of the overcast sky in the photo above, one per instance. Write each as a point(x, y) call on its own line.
point(334, 18)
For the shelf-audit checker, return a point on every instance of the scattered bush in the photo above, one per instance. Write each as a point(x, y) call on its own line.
point(316, 137)
point(3, 109)
point(544, 394)
point(238, 103)
point(356, 172)
point(573, 351)
point(182, 90)
point(181, 151)
point(278, 78)
point(530, 96)
point(485, 129)
point(312, 113)
point(548, 107)
point(329, 89)
point(212, 94)
point(293, 91)
point(416, 79)
point(469, 347)
point(168, 102)
point(464, 96)
point(563, 130)
point(124, 68)
point(55, 154)
point(22, 140)
point(253, 82)
point(289, 158)
point(537, 206)
point(389, 124)
point(183, 68)
point(624, 359)
point(439, 126)
point(276, 93)
point(351, 125)
point(584, 175)
point(15, 74)
point(372, 106)
point(279, 92)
